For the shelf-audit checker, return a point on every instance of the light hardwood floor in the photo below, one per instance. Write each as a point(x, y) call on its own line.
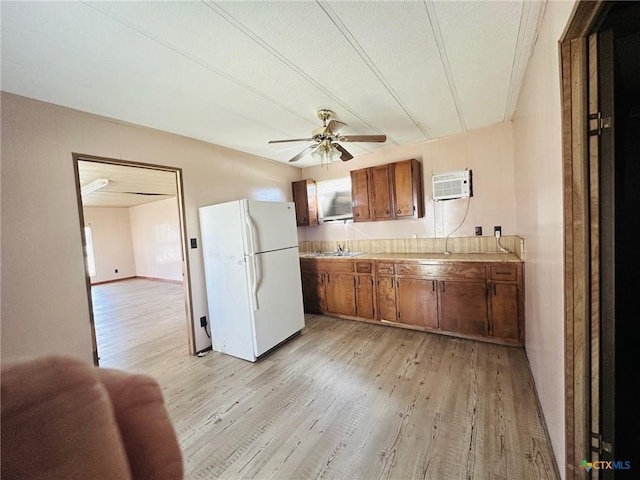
point(343, 400)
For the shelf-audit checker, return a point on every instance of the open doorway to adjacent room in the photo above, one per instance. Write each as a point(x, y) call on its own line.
point(135, 254)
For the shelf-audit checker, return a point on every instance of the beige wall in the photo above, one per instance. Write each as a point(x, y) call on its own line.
point(488, 152)
point(112, 246)
point(157, 247)
point(538, 173)
point(45, 307)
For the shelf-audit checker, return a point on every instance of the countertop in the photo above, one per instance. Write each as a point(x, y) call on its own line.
point(424, 257)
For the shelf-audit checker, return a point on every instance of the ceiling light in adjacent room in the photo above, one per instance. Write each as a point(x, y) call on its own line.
point(95, 185)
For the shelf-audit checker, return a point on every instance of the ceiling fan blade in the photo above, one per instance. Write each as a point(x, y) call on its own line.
point(292, 140)
point(335, 126)
point(345, 155)
point(363, 138)
point(303, 153)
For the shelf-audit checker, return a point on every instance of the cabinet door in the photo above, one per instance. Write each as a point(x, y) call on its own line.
point(313, 292)
point(340, 293)
point(504, 310)
point(381, 189)
point(405, 189)
point(417, 302)
point(360, 195)
point(386, 295)
point(463, 307)
point(305, 199)
point(364, 296)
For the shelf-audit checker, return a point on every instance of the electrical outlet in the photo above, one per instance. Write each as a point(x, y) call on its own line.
point(497, 231)
point(478, 231)
point(194, 243)
point(203, 322)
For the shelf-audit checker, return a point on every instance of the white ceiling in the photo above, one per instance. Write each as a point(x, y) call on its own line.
point(128, 186)
point(241, 73)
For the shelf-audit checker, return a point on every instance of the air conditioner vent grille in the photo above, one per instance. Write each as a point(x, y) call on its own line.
point(449, 185)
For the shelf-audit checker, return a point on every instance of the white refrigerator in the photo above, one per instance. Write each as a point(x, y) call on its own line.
point(252, 272)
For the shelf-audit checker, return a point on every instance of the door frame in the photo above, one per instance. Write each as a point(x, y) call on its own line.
point(183, 233)
point(581, 239)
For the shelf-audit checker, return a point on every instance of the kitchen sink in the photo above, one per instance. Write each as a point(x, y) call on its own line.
point(332, 254)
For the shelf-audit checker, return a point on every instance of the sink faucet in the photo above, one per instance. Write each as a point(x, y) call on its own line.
point(340, 249)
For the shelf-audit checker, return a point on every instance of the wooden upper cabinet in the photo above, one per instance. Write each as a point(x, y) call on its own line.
point(387, 192)
point(407, 181)
point(382, 195)
point(305, 197)
point(360, 195)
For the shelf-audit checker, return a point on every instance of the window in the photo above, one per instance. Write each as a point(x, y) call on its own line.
point(91, 260)
point(334, 199)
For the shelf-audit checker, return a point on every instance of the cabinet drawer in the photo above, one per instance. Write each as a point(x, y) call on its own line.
point(417, 270)
point(449, 272)
point(314, 265)
point(503, 272)
point(363, 267)
point(385, 268)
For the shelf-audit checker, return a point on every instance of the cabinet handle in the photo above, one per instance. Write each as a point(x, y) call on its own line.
point(433, 286)
point(393, 282)
point(357, 214)
point(443, 289)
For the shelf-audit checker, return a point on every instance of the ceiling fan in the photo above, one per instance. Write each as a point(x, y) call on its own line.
point(326, 149)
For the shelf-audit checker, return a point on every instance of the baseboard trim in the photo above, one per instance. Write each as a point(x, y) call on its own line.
point(153, 279)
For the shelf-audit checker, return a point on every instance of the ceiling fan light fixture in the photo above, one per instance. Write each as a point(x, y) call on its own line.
point(95, 185)
point(325, 153)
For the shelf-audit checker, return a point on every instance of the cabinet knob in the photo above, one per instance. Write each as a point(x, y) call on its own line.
point(399, 211)
point(388, 211)
point(357, 214)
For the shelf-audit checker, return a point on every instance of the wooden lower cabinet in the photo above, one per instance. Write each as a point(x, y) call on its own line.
point(313, 292)
point(340, 293)
point(503, 306)
point(471, 300)
point(463, 307)
point(386, 296)
point(417, 302)
point(364, 297)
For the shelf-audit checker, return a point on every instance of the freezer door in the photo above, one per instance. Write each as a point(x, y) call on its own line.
point(271, 226)
point(279, 312)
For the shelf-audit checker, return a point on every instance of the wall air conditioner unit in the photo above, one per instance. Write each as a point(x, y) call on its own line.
point(448, 185)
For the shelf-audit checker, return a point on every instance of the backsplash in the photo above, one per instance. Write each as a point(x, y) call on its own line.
point(511, 243)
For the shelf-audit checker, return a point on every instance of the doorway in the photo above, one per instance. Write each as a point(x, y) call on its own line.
point(601, 87)
point(135, 215)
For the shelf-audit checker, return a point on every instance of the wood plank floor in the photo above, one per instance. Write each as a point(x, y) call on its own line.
point(343, 400)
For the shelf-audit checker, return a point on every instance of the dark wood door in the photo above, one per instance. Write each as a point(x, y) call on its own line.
point(463, 307)
point(504, 310)
point(386, 297)
point(313, 292)
point(341, 294)
point(382, 194)
point(417, 302)
point(364, 296)
point(360, 195)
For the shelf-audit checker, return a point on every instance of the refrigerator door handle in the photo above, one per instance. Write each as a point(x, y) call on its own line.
point(249, 222)
point(253, 274)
